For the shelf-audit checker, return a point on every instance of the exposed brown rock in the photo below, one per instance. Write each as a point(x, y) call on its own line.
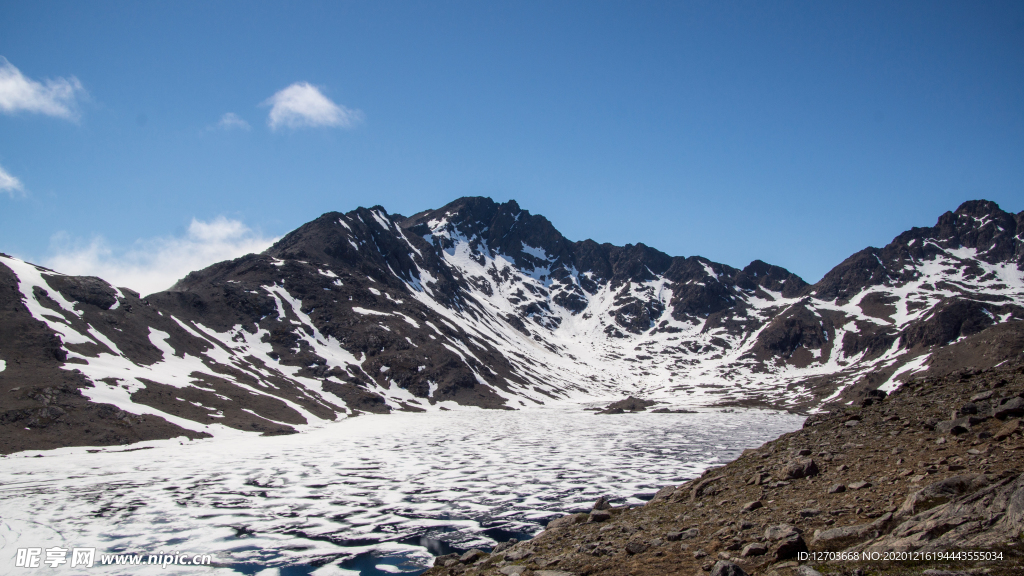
point(914, 495)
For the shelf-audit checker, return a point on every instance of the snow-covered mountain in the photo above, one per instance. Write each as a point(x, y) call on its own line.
point(481, 304)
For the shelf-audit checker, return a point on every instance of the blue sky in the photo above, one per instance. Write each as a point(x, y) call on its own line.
point(146, 138)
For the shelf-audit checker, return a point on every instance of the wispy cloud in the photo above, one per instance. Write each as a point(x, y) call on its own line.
point(10, 184)
point(303, 105)
point(155, 264)
point(231, 121)
point(52, 97)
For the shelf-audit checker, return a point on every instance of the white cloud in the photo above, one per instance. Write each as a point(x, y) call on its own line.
point(9, 183)
point(21, 94)
point(302, 104)
point(156, 264)
point(230, 121)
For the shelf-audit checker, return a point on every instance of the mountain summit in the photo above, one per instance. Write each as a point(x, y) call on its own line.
point(483, 304)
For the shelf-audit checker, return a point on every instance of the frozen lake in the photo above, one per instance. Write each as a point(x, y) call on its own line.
point(368, 495)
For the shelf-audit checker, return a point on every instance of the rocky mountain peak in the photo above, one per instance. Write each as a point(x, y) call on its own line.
point(774, 278)
point(485, 304)
point(977, 232)
point(980, 209)
point(981, 225)
point(531, 241)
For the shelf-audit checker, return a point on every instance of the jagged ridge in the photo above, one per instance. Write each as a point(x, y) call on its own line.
point(484, 304)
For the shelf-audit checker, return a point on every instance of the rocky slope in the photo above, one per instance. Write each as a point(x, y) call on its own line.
point(934, 467)
point(481, 304)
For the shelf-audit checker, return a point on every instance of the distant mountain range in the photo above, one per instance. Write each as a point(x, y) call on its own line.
point(484, 304)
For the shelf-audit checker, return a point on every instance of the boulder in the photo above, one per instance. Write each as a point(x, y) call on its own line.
point(970, 511)
point(566, 521)
point(1008, 429)
point(688, 534)
point(966, 410)
point(636, 547)
point(789, 547)
point(600, 516)
point(785, 540)
point(837, 538)
point(940, 492)
point(751, 506)
point(441, 560)
point(518, 554)
point(877, 395)
point(630, 404)
point(780, 531)
point(664, 493)
point(833, 536)
point(1009, 407)
point(702, 487)
point(961, 425)
point(800, 468)
point(472, 556)
point(501, 547)
point(754, 549)
point(982, 396)
point(724, 568)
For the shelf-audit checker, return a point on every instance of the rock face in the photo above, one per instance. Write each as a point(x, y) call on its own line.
point(915, 495)
point(630, 404)
point(484, 304)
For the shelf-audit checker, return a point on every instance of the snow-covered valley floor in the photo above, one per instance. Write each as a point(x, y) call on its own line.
point(366, 495)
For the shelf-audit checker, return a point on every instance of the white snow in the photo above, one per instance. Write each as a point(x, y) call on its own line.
point(536, 252)
point(384, 222)
point(445, 475)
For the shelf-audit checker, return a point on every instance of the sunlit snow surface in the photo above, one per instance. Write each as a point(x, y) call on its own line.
point(362, 496)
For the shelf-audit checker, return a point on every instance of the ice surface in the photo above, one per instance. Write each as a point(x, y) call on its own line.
point(362, 492)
